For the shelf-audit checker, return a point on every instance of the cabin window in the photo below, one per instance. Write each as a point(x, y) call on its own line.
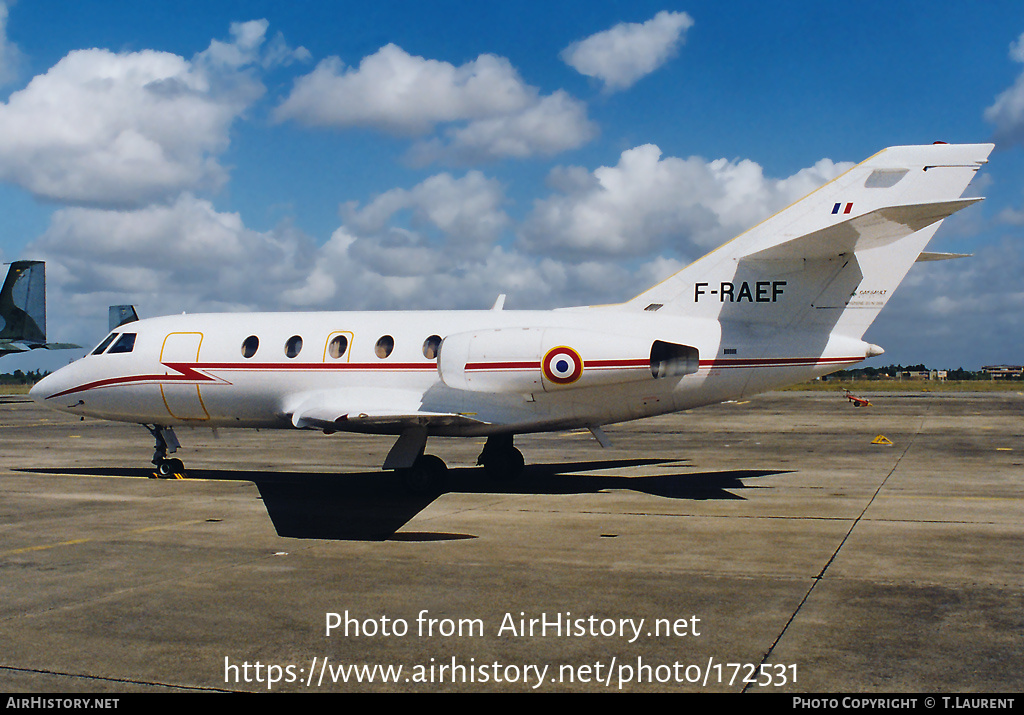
point(124, 344)
point(249, 346)
point(384, 346)
point(337, 346)
point(293, 347)
point(103, 346)
point(430, 347)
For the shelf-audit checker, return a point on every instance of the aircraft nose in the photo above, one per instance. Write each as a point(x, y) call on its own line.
point(51, 385)
point(42, 390)
point(63, 390)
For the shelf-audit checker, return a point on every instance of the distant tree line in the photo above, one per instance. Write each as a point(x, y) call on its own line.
point(22, 378)
point(893, 372)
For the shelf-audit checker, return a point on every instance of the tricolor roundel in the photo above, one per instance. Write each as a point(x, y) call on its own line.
point(562, 365)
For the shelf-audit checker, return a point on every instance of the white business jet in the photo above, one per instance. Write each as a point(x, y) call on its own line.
point(787, 301)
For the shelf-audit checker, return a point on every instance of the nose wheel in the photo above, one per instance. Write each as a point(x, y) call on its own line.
point(166, 443)
point(170, 469)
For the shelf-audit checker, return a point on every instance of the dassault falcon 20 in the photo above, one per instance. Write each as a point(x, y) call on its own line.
point(786, 301)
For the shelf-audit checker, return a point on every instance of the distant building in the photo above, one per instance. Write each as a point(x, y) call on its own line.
point(1002, 372)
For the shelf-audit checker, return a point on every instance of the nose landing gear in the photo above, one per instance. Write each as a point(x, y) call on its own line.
point(166, 442)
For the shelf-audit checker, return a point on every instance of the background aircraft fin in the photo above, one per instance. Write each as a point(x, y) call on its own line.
point(118, 315)
point(23, 302)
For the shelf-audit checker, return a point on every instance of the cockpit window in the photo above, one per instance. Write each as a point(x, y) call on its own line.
point(124, 344)
point(103, 346)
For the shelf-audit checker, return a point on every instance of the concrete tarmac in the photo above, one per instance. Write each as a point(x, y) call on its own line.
point(767, 541)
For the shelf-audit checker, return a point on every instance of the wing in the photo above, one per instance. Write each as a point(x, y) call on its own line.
point(379, 410)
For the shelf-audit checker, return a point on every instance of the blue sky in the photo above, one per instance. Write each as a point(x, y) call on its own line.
point(330, 155)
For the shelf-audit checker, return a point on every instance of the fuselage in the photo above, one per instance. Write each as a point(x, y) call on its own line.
point(498, 371)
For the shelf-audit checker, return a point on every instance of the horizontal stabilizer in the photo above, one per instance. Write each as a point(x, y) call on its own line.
point(875, 228)
point(926, 256)
point(7, 347)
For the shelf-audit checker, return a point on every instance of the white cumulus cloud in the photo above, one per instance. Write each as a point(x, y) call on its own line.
point(625, 53)
point(1007, 112)
point(646, 205)
point(402, 93)
point(183, 255)
point(554, 124)
point(465, 211)
point(10, 55)
point(122, 129)
point(486, 109)
point(1017, 49)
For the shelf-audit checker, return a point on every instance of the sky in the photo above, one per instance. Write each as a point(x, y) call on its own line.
point(210, 156)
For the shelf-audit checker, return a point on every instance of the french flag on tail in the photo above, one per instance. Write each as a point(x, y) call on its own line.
point(837, 207)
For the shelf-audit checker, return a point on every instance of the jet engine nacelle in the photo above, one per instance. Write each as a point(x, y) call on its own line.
point(526, 360)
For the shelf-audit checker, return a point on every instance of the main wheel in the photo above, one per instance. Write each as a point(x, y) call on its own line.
point(427, 475)
point(503, 464)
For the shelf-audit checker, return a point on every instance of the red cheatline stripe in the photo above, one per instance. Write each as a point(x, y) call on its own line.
point(589, 365)
point(301, 366)
point(110, 382)
point(775, 362)
point(643, 362)
point(511, 365)
point(189, 372)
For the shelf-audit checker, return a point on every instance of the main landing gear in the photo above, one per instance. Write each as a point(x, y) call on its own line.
point(425, 473)
point(500, 459)
point(422, 473)
point(428, 474)
point(166, 442)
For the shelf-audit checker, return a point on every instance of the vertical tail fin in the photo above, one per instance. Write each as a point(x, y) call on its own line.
point(832, 260)
point(118, 315)
point(23, 302)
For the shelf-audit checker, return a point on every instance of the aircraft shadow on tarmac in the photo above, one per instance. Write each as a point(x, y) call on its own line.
point(372, 506)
